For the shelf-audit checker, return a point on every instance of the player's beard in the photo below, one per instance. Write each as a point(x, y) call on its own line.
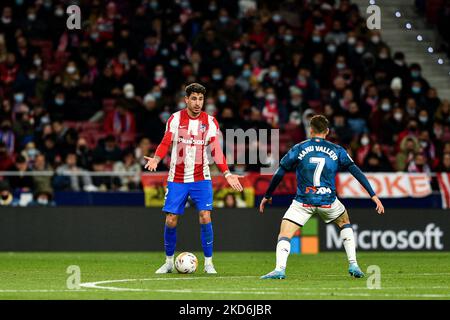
point(195, 110)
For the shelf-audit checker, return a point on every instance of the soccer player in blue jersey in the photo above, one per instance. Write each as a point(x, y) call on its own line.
point(316, 162)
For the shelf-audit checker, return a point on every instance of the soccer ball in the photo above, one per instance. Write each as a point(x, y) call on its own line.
point(186, 262)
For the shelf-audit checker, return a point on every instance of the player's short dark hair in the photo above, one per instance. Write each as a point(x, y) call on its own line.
point(195, 88)
point(319, 124)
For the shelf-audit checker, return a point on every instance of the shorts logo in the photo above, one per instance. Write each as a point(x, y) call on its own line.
point(318, 190)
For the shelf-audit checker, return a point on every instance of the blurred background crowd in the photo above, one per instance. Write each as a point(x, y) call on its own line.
point(97, 99)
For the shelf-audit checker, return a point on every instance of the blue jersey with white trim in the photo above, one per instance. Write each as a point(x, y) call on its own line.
point(316, 162)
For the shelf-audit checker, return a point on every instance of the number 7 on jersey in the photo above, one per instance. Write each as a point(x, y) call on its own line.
point(317, 173)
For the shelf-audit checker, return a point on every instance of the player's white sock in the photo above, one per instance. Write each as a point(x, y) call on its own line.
point(283, 249)
point(348, 240)
point(208, 260)
point(170, 259)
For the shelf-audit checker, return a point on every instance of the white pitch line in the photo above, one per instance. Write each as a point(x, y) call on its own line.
point(287, 291)
point(397, 274)
point(352, 288)
point(97, 284)
point(44, 290)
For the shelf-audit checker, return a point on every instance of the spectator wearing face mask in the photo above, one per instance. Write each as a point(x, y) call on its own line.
point(272, 78)
point(425, 122)
point(363, 149)
point(84, 153)
point(392, 125)
point(415, 80)
point(223, 101)
point(57, 107)
point(6, 197)
point(380, 113)
point(30, 153)
point(130, 100)
point(270, 110)
point(71, 76)
point(375, 43)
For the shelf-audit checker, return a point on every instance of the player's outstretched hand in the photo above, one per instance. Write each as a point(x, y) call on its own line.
point(151, 164)
point(263, 204)
point(233, 181)
point(380, 208)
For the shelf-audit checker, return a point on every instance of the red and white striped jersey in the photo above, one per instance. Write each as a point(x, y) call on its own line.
point(189, 138)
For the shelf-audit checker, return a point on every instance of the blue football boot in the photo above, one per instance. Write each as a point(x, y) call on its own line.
point(274, 275)
point(355, 271)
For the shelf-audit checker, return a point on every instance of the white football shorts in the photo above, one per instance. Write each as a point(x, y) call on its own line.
point(299, 213)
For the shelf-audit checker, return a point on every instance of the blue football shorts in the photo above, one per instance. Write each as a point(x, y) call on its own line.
point(201, 192)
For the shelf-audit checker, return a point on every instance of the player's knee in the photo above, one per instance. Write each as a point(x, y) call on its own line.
point(171, 220)
point(204, 217)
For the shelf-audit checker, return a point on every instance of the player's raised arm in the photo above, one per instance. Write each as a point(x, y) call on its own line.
point(347, 162)
point(288, 163)
point(163, 147)
point(221, 161)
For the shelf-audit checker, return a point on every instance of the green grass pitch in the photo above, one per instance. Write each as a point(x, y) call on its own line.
point(120, 275)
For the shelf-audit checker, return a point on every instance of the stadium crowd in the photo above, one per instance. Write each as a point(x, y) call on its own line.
point(97, 99)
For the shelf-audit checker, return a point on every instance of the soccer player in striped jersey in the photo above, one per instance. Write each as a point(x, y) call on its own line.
point(316, 162)
point(191, 132)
